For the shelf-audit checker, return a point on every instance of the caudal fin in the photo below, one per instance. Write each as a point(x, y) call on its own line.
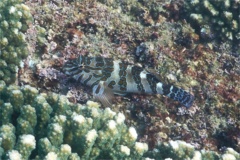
point(177, 94)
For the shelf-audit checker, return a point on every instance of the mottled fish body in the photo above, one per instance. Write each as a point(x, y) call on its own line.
point(107, 77)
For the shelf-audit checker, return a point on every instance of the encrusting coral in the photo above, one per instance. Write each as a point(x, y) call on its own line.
point(14, 17)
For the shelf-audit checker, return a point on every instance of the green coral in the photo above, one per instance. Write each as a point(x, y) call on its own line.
point(182, 150)
point(221, 16)
point(48, 126)
point(52, 127)
point(14, 17)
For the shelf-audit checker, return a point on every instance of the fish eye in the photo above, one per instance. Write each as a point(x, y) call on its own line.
point(81, 66)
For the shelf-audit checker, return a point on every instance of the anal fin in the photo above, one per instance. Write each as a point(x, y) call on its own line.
point(103, 93)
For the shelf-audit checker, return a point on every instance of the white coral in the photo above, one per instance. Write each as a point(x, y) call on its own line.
point(125, 150)
point(65, 148)
point(109, 113)
point(14, 155)
point(91, 135)
point(93, 104)
point(111, 125)
point(174, 145)
point(141, 147)
point(51, 156)
point(133, 134)
point(79, 119)
point(57, 128)
point(12, 9)
point(228, 156)
point(120, 118)
point(28, 140)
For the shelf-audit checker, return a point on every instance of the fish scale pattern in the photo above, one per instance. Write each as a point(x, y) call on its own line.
point(118, 77)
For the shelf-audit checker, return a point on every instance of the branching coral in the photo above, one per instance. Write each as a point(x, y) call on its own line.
point(14, 18)
point(47, 126)
point(218, 19)
point(62, 129)
point(182, 150)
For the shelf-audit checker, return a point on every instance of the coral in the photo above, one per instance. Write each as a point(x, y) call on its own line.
point(47, 126)
point(14, 18)
point(149, 32)
point(182, 150)
point(26, 143)
point(215, 19)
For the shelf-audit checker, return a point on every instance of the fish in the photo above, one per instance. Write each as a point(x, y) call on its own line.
point(107, 77)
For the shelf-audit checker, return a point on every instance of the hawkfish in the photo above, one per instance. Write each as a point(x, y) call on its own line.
point(107, 77)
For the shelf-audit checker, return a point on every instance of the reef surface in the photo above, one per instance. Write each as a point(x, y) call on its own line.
point(187, 43)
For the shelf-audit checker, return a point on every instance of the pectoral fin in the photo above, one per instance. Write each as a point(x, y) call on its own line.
point(103, 94)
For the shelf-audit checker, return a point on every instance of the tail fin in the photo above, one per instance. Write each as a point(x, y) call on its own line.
point(177, 94)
